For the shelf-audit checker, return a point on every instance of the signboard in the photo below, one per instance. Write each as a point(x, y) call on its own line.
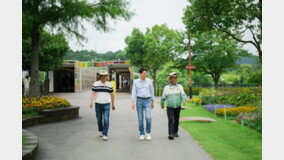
point(189, 67)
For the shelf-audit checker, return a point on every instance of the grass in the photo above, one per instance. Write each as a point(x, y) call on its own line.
point(23, 139)
point(30, 115)
point(223, 139)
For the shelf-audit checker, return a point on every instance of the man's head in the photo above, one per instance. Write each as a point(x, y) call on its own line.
point(103, 75)
point(143, 73)
point(173, 78)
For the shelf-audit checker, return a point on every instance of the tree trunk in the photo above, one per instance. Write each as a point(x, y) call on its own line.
point(259, 54)
point(34, 83)
point(216, 80)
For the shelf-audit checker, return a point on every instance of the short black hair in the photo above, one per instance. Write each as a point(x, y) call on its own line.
point(141, 70)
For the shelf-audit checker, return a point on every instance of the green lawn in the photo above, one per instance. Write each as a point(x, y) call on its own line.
point(223, 139)
point(30, 115)
point(23, 140)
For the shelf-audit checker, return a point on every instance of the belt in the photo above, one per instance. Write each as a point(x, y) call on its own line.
point(144, 98)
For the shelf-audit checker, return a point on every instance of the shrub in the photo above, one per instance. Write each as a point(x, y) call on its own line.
point(209, 99)
point(211, 107)
point(36, 104)
point(235, 111)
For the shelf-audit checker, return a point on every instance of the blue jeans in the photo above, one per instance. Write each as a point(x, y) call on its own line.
point(142, 105)
point(102, 112)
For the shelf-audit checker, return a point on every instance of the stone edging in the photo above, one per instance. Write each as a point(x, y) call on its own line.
point(29, 149)
point(54, 115)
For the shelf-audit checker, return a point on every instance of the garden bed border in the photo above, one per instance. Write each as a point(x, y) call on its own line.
point(53, 115)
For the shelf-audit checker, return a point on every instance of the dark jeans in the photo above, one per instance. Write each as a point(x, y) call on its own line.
point(173, 117)
point(102, 112)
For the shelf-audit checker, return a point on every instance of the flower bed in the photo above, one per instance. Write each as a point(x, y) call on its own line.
point(235, 111)
point(211, 107)
point(233, 96)
point(252, 120)
point(37, 104)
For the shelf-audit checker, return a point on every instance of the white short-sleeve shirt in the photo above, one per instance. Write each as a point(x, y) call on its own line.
point(103, 91)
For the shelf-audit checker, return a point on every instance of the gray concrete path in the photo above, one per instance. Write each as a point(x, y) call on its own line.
point(78, 139)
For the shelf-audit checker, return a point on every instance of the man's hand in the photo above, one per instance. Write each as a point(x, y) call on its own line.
point(133, 105)
point(113, 107)
point(183, 102)
point(152, 104)
point(162, 107)
point(91, 105)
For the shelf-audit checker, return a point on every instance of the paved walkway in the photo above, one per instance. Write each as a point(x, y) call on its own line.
point(78, 139)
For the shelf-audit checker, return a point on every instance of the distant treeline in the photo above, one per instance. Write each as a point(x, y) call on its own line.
point(85, 55)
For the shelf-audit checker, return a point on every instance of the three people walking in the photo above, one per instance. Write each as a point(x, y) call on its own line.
point(142, 99)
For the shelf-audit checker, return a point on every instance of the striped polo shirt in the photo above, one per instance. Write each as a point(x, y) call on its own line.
point(103, 91)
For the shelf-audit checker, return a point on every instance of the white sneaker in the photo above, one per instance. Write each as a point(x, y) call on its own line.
point(104, 138)
point(142, 137)
point(101, 134)
point(148, 136)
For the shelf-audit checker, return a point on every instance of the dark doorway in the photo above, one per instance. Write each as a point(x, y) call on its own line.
point(64, 79)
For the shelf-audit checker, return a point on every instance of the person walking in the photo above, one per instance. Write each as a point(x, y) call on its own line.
point(26, 85)
point(114, 87)
point(102, 92)
point(174, 95)
point(143, 93)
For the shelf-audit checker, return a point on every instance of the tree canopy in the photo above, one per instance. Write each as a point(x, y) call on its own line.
point(232, 17)
point(153, 49)
point(85, 55)
point(66, 16)
point(52, 50)
point(213, 55)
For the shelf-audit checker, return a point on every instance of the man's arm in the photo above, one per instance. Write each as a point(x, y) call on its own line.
point(152, 94)
point(163, 98)
point(92, 99)
point(112, 101)
point(133, 95)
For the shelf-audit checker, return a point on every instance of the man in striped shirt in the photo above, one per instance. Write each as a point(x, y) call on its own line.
point(102, 92)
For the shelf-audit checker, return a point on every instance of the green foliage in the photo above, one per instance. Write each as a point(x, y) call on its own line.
point(213, 55)
point(52, 50)
point(153, 49)
point(85, 55)
point(134, 50)
point(233, 96)
point(65, 16)
point(232, 17)
point(135, 76)
point(256, 77)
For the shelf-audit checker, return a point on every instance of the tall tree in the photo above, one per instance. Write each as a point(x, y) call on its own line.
point(161, 45)
point(66, 16)
point(232, 17)
point(52, 50)
point(213, 55)
point(134, 47)
point(158, 46)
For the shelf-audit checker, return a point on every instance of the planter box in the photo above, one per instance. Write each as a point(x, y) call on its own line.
point(52, 115)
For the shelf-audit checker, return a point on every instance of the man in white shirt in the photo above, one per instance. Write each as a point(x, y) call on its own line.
point(102, 92)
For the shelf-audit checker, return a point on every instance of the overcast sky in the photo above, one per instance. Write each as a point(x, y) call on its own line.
point(148, 13)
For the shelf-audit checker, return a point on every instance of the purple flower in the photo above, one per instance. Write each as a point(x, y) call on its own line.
point(211, 107)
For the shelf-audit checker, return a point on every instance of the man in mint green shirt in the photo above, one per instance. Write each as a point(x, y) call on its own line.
point(174, 95)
